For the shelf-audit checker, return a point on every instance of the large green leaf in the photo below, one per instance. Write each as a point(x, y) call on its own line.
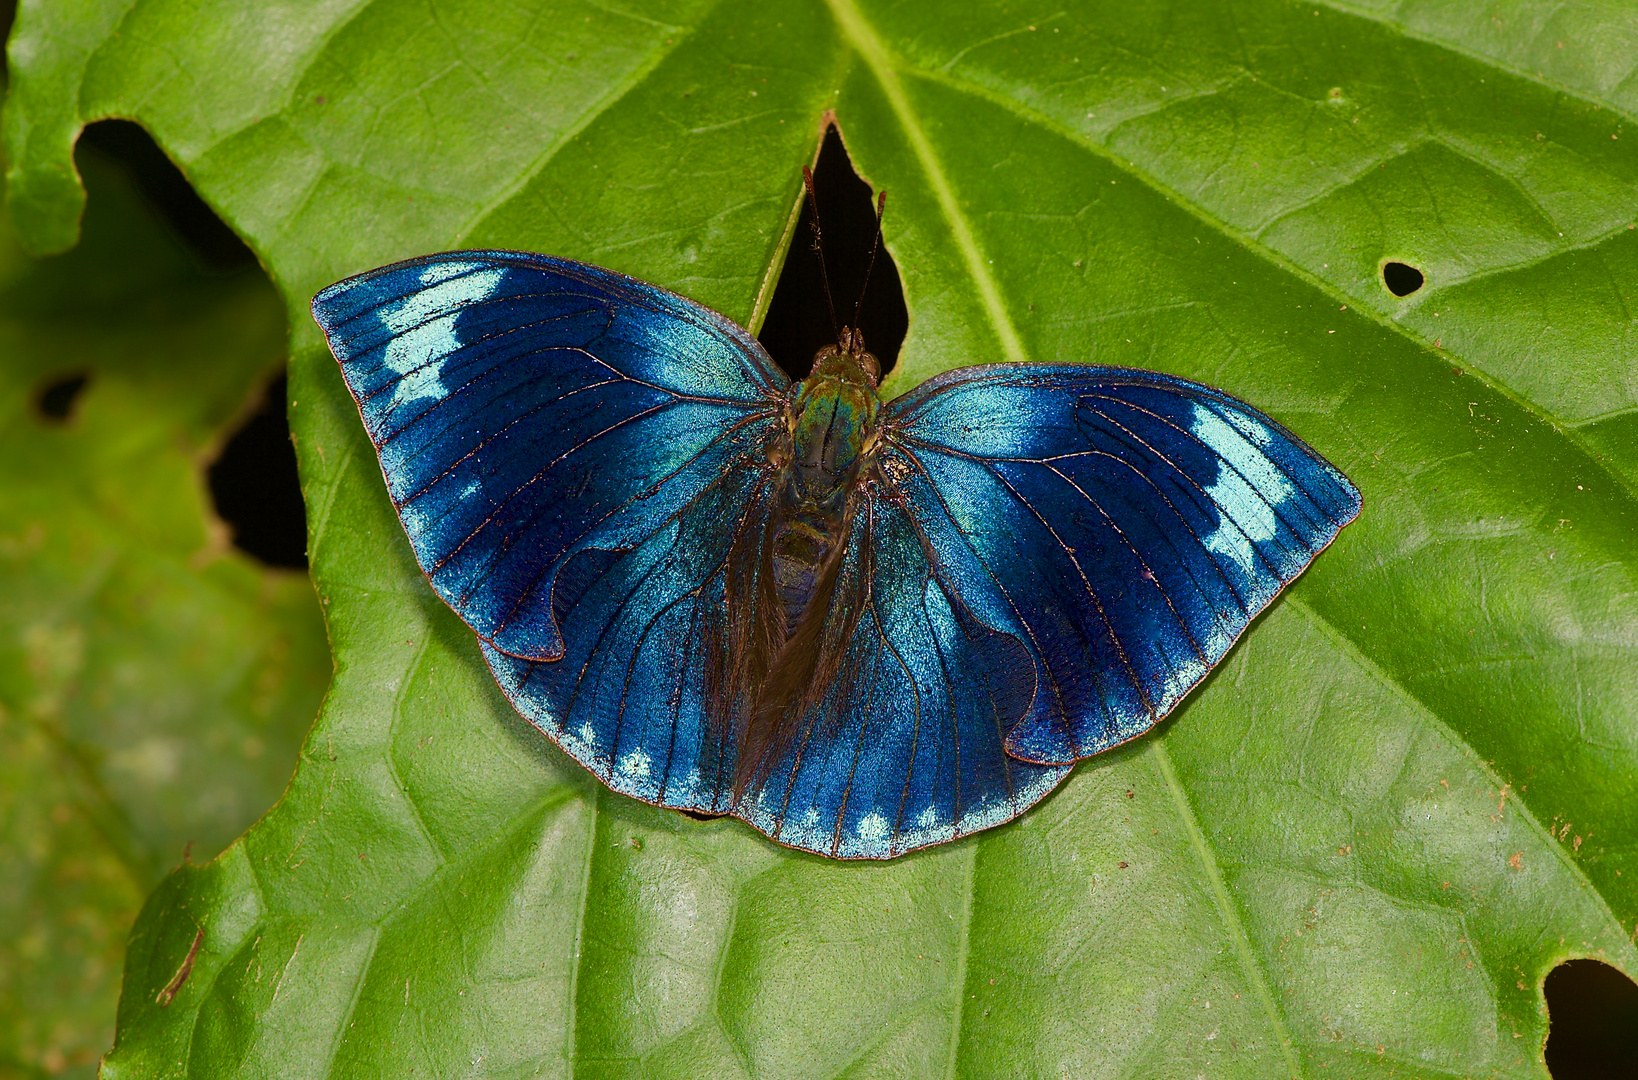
point(1403, 798)
point(154, 684)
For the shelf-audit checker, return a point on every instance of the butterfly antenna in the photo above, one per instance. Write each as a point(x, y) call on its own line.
point(819, 250)
point(875, 245)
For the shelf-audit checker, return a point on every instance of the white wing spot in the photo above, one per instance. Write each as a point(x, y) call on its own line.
point(423, 326)
point(872, 827)
point(1246, 490)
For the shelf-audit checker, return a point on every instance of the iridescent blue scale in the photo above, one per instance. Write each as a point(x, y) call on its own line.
point(969, 588)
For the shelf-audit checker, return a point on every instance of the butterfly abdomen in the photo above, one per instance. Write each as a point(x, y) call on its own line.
point(801, 544)
point(804, 551)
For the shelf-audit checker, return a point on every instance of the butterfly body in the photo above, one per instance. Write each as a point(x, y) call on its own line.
point(861, 627)
point(820, 469)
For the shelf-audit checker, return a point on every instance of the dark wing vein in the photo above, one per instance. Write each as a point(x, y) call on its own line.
point(1091, 593)
point(481, 446)
point(506, 544)
point(915, 738)
point(636, 653)
point(1000, 587)
point(521, 488)
point(581, 675)
point(858, 745)
point(1155, 581)
point(1165, 534)
point(444, 357)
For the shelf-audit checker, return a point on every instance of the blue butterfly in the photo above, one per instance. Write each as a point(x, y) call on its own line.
point(862, 628)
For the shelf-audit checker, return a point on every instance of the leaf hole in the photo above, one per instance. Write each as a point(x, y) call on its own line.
point(254, 485)
point(1402, 279)
point(56, 398)
point(1592, 1030)
point(798, 324)
point(189, 218)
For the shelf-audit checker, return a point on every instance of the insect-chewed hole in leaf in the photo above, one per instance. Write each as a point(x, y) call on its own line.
point(254, 485)
point(55, 398)
point(212, 243)
point(1402, 279)
point(798, 323)
point(1592, 1022)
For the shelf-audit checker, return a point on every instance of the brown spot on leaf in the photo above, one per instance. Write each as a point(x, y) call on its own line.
point(167, 995)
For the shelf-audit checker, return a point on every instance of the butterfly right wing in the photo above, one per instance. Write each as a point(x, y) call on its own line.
point(1052, 557)
point(1125, 525)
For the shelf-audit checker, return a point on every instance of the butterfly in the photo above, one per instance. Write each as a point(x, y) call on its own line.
point(861, 627)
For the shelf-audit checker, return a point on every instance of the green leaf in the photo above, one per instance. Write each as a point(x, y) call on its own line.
point(1400, 801)
point(154, 685)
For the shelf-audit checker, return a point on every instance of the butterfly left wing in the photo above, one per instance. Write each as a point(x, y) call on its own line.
point(571, 452)
point(1124, 525)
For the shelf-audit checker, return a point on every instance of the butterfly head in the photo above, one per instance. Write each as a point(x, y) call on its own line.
point(847, 359)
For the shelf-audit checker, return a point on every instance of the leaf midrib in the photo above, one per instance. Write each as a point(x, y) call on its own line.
point(1227, 910)
point(862, 36)
point(571, 1032)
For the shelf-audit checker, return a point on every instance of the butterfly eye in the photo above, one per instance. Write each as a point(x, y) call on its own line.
point(871, 367)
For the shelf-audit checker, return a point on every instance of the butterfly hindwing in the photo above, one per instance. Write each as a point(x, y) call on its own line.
point(628, 697)
point(1125, 525)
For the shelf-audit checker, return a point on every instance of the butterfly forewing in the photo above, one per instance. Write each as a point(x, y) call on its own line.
point(525, 407)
